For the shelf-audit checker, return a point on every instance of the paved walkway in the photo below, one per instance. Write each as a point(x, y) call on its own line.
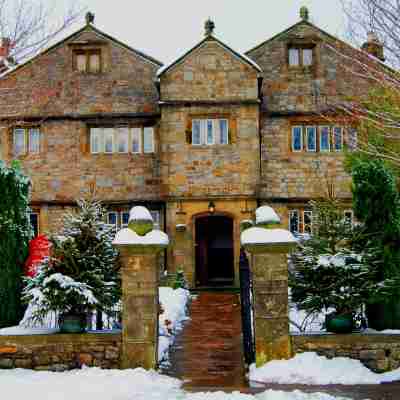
point(208, 352)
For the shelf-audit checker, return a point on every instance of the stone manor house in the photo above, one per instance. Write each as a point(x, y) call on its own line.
point(200, 142)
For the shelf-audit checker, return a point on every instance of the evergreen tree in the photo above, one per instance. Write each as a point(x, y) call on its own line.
point(376, 204)
point(15, 233)
point(82, 273)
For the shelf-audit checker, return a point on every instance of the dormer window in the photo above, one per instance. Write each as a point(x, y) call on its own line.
point(87, 60)
point(301, 56)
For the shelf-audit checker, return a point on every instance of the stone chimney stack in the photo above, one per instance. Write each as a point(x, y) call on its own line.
point(5, 49)
point(374, 46)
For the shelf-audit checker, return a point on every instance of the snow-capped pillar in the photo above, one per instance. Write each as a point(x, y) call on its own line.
point(139, 245)
point(269, 248)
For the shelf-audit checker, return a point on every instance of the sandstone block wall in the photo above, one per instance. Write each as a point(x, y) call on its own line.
point(379, 353)
point(60, 352)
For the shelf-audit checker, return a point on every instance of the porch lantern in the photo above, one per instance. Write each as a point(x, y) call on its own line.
point(211, 207)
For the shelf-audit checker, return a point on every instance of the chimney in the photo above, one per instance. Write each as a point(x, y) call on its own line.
point(374, 46)
point(5, 47)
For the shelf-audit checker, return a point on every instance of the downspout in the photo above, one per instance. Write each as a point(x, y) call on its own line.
point(260, 97)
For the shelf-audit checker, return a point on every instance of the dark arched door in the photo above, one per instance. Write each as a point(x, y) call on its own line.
point(214, 251)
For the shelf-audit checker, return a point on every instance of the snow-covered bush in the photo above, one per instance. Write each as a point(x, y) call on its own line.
point(82, 272)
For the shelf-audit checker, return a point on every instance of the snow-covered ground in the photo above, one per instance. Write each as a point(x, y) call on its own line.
point(174, 302)
point(312, 369)
point(138, 384)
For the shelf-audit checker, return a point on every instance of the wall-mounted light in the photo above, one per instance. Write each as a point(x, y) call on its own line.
point(211, 207)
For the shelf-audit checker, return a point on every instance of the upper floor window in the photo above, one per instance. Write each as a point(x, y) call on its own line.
point(87, 60)
point(26, 141)
point(210, 131)
point(122, 140)
point(300, 221)
point(301, 56)
point(321, 138)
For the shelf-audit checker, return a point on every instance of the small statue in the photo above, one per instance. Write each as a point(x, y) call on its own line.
point(209, 27)
point(304, 13)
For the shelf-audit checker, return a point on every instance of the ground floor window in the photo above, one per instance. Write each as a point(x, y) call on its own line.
point(34, 220)
point(119, 217)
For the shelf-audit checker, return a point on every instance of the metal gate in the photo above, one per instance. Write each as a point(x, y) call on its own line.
point(246, 296)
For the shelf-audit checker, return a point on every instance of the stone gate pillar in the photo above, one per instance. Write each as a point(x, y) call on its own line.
point(139, 245)
point(269, 248)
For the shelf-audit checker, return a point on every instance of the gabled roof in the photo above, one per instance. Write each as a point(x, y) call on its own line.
point(209, 38)
point(87, 27)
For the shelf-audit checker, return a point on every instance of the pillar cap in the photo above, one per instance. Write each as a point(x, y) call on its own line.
point(266, 215)
point(263, 240)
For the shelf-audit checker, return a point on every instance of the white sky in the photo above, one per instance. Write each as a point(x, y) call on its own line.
point(165, 29)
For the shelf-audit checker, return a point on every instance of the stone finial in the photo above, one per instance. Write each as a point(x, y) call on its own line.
point(209, 27)
point(89, 18)
point(304, 13)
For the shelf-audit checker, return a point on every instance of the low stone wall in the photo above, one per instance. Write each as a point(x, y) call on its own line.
point(60, 352)
point(378, 352)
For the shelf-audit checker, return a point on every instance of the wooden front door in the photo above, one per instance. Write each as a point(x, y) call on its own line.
point(214, 251)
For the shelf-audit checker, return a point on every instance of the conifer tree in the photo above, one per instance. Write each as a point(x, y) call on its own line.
point(82, 273)
point(15, 233)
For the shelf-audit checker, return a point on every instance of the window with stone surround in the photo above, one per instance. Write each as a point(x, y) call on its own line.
point(87, 60)
point(34, 220)
point(209, 132)
point(119, 218)
point(26, 140)
point(301, 55)
point(123, 140)
point(300, 220)
point(322, 138)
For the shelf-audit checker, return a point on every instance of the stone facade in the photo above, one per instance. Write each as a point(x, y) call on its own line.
point(380, 353)
point(60, 352)
point(259, 96)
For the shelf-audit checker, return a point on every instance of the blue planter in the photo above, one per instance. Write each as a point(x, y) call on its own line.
point(339, 323)
point(72, 323)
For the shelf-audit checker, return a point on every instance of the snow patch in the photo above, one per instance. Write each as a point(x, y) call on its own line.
point(267, 215)
point(264, 236)
point(312, 369)
point(140, 213)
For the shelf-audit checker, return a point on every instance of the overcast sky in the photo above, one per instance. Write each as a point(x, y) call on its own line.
point(165, 29)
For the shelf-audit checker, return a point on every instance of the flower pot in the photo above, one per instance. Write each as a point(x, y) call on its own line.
point(339, 323)
point(72, 323)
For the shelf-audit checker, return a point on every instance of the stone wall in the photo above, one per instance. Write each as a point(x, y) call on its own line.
point(65, 169)
point(49, 85)
point(380, 353)
point(60, 352)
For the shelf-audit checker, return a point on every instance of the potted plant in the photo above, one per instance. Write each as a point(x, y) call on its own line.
point(81, 274)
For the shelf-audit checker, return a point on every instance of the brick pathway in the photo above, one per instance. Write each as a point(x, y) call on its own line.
point(208, 352)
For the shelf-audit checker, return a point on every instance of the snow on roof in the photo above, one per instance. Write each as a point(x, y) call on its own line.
point(267, 215)
point(266, 236)
point(140, 213)
point(128, 236)
point(234, 52)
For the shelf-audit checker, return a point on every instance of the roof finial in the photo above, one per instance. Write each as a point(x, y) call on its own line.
point(304, 13)
point(89, 18)
point(209, 27)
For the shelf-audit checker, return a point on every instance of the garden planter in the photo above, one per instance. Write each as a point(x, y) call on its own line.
point(72, 323)
point(339, 323)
